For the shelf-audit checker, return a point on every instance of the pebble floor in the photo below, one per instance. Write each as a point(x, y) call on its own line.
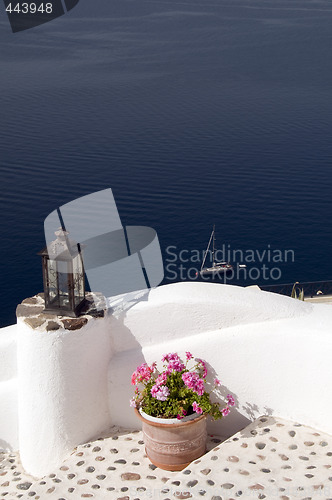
point(271, 458)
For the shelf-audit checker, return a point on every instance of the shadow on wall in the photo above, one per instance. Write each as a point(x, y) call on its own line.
point(120, 389)
point(235, 421)
point(123, 303)
point(127, 356)
point(253, 411)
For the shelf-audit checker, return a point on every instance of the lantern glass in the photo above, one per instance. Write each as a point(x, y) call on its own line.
point(78, 279)
point(63, 290)
point(63, 271)
point(52, 280)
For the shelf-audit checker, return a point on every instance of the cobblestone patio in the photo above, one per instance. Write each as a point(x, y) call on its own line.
point(271, 458)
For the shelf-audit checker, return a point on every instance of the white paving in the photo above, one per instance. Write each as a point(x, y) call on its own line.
point(271, 458)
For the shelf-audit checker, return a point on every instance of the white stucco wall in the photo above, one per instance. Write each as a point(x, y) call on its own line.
point(271, 352)
point(62, 391)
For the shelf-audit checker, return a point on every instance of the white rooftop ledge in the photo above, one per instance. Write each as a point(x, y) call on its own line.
point(272, 352)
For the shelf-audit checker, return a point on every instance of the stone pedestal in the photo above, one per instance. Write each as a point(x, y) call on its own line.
point(62, 381)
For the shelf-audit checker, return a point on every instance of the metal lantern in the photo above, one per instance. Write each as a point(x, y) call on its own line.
point(63, 276)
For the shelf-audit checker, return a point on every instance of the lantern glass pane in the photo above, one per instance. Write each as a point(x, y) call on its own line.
point(63, 290)
point(52, 280)
point(78, 279)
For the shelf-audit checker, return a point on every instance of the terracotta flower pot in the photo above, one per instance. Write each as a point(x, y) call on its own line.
point(173, 444)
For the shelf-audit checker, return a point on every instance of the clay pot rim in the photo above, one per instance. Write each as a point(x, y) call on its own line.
point(170, 425)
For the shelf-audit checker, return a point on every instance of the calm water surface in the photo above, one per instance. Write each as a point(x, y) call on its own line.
point(193, 112)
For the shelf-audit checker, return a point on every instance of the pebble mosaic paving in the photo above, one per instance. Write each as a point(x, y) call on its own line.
point(271, 458)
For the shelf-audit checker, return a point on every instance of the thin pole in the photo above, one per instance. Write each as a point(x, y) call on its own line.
point(214, 240)
point(207, 249)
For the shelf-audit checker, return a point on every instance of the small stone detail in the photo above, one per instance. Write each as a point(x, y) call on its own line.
point(30, 301)
point(130, 476)
point(260, 446)
point(256, 486)
point(27, 311)
point(34, 322)
point(74, 323)
point(23, 486)
point(227, 486)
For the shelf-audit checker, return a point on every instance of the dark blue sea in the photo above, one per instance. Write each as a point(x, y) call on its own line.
point(194, 112)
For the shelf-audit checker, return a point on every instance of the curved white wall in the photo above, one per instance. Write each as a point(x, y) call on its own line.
point(272, 352)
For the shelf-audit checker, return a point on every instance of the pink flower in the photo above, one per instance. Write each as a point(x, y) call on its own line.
point(184, 413)
point(160, 392)
point(217, 382)
point(175, 365)
point(161, 379)
point(225, 411)
point(133, 402)
point(170, 357)
point(194, 382)
point(230, 400)
point(189, 355)
point(142, 374)
point(174, 362)
point(197, 408)
point(154, 390)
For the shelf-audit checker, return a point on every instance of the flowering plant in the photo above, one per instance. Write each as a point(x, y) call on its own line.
point(177, 391)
